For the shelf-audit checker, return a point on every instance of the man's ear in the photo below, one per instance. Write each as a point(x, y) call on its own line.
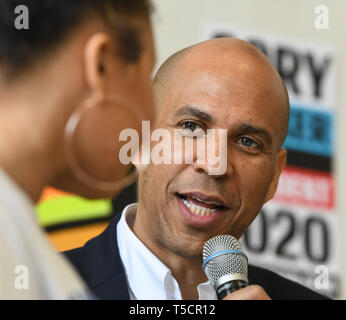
point(280, 165)
point(99, 62)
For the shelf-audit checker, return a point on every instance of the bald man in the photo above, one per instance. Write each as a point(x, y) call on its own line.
point(153, 250)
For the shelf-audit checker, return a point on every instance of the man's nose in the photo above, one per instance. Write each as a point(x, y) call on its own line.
point(211, 155)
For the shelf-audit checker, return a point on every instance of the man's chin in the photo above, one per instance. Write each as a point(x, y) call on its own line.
point(185, 249)
point(189, 254)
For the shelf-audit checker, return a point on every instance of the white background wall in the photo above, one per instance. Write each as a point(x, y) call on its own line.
point(179, 23)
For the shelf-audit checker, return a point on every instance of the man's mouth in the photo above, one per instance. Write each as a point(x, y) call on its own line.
point(201, 205)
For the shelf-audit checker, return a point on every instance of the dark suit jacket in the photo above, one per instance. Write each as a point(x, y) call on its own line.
point(99, 264)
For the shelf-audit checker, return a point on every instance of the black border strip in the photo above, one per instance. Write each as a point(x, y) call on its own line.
point(77, 223)
point(310, 161)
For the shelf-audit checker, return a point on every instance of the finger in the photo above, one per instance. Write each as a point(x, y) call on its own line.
point(253, 292)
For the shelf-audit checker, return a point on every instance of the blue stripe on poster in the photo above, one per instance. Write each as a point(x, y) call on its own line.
point(310, 131)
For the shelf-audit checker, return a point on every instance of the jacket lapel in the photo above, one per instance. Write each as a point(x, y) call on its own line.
point(101, 265)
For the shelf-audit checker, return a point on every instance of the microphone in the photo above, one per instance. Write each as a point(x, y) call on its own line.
point(225, 264)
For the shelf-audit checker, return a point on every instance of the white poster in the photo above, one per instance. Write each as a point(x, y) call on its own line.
point(296, 232)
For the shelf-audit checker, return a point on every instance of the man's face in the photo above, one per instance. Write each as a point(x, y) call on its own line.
point(183, 204)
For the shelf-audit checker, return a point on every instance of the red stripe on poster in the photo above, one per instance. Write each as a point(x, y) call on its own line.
point(305, 187)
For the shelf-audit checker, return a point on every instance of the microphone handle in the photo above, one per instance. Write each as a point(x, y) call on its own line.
point(229, 287)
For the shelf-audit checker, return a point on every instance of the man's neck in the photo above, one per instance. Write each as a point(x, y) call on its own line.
point(187, 271)
point(189, 275)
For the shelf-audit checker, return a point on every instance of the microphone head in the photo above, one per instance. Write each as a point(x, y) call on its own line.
point(224, 260)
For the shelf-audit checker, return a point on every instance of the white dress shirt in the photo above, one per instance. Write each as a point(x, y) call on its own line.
point(147, 277)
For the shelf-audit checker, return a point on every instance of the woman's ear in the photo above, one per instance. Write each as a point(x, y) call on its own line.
point(98, 59)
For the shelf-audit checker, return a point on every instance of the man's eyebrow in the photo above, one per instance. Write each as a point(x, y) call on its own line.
point(189, 110)
point(246, 128)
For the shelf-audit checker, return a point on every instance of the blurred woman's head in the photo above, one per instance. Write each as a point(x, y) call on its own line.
point(71, 82)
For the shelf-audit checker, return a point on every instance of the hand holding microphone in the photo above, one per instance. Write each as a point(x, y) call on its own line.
point(252, 292)
point(226, 266)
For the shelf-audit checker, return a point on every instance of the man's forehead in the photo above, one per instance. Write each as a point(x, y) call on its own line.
point(218, 90)
point(200, 84)
point(225, 74)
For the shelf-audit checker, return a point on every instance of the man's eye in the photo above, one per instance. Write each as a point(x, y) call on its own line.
point(192, 129)
point(190, 125)
point(247, 142)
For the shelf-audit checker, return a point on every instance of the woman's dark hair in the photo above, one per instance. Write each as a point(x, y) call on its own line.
point(50, 21)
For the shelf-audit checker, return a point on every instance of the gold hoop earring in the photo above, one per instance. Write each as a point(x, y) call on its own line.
point(71, 158)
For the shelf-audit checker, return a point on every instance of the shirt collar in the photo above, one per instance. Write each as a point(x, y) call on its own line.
point(148, 278)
